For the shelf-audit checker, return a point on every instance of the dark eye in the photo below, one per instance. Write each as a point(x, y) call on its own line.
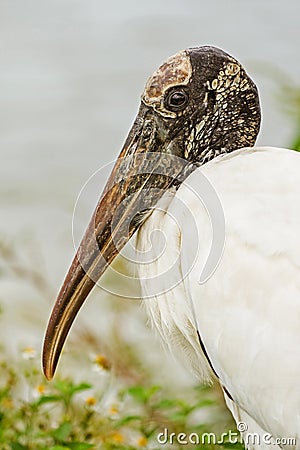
point(176, 99)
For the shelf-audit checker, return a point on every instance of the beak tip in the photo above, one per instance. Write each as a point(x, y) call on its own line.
point(48, 370)
point(48, 364)
point(48, 376)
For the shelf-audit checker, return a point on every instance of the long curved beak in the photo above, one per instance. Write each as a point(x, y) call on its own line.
point(132, 189)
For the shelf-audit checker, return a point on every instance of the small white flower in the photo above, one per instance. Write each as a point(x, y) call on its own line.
point(101, 364)
point(28, 353)
point(39, 390)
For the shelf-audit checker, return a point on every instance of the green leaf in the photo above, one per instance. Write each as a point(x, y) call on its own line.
point(296, 144)
point(59, 447)
point(205, 402)
point(17, 446)
point(81, 387)
point(67, 387)
point(48, 399)
point(62, 432)
point(178, 416)
point(126, 420)
point(80, 446)
point(231, 445)
point(167, 404)
point(142, 394)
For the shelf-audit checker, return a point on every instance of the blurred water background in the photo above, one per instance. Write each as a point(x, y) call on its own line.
point(71, 75)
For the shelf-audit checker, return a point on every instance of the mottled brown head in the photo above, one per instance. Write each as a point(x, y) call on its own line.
point(176, 71)
point(204, 98)
point(198, 104)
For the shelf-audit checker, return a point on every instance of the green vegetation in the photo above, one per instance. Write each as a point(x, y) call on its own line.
point(289, 97)
point(65, 415)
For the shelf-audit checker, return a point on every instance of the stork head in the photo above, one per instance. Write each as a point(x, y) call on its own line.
point(198, 104)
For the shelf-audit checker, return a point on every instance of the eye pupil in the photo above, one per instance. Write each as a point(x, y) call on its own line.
point(176, 100)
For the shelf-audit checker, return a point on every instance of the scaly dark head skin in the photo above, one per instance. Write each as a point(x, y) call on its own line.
point(200, 103)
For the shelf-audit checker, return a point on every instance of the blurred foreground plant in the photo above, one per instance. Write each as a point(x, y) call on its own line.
point(290, 99)
point(62, 414)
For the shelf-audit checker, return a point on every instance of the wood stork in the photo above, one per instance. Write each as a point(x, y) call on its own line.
point(199, 117)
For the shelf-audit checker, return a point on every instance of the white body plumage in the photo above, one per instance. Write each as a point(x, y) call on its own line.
point(248, 312)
